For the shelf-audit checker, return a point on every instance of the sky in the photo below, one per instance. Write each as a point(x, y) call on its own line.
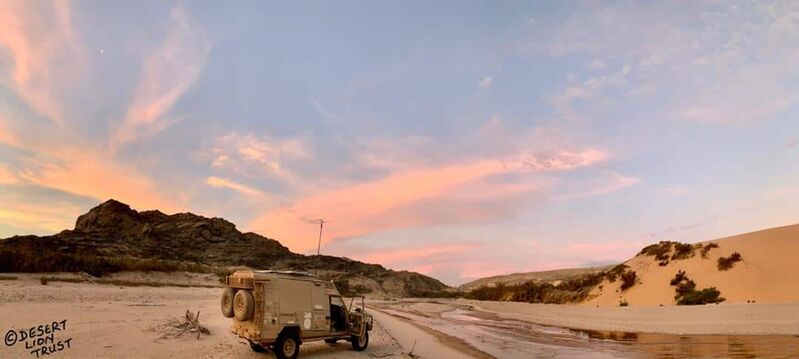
point(459, 139)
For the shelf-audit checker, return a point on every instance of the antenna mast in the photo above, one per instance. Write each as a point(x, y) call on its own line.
point(319, 243)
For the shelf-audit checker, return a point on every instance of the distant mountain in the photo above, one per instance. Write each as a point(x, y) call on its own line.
point(113, 237)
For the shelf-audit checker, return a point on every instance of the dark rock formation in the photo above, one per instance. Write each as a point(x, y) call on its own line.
point(113, 237)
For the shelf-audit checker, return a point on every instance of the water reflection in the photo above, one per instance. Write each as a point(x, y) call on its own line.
point(535, 340)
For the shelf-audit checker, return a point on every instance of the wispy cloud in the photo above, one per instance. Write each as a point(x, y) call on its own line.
point(166, 74)
point(716, 63)
point(416, 197)
point(45, 55)
point(224, 183)
point(400, 255)
point(264, 154)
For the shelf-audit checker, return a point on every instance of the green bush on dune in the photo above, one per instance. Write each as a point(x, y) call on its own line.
point(686, 293)
point(707, 248)
point(704, 296)
point(568, 291)
point(616, 272)
point(628, 280)
point(729, 262)
point(662, 251)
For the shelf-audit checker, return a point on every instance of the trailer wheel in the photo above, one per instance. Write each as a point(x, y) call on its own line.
point(359, 343)
point(227, 302)
point(287, 345)
point(243, 305)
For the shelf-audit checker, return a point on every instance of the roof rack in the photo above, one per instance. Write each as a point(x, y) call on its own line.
point(287, 272)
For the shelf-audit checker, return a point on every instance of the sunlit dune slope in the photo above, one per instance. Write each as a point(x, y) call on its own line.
point(769, 272)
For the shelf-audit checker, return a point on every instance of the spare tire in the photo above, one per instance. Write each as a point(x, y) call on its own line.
point(227, 302)
point(243, 305)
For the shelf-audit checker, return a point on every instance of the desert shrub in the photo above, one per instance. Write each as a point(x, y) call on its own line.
point(568, 291)
point(729, 262)
point(683, 285)
point(623, 303)
point(487, 293)
point(707, 248)
point(581, 281)
point(684, 288)
point(628, 280)
point(615, 272)
point(704, 296)
point(662, 251)
point(682, 251)
point(38, 257)
point(686, 293)
point(679, 277)
point(43, 281)
point(659, 250)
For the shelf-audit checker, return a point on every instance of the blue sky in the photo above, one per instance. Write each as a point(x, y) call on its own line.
point(458, 139)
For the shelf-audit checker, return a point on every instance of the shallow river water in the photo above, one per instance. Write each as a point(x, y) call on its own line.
point(505, 338)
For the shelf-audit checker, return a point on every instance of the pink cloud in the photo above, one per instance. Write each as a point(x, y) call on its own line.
point(45, 55)
point(418, 197)
point(225, 183)
point(90, 173)
point(166, 74)
point(417, 253)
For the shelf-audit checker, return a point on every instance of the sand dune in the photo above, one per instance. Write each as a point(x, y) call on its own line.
point(767, 274)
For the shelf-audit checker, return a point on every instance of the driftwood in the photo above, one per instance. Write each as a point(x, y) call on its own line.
point(188, 323)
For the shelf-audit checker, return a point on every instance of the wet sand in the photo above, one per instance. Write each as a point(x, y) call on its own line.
point(503, 337)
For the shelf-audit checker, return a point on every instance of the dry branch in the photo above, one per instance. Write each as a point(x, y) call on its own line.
point(188, 323)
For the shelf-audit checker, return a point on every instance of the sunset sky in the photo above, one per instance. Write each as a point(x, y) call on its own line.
point(456, 139)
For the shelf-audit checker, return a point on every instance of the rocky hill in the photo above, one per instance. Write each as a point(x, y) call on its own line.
point(113, 237)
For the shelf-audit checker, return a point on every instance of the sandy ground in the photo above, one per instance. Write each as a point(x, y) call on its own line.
point(117, 321)
point(114, 321)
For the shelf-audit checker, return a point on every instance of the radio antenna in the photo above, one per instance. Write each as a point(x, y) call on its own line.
point(321, 223)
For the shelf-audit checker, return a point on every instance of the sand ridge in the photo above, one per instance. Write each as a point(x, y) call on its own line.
point(767, 274)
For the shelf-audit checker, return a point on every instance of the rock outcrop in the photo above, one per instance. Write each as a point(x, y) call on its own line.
point(114, 237)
